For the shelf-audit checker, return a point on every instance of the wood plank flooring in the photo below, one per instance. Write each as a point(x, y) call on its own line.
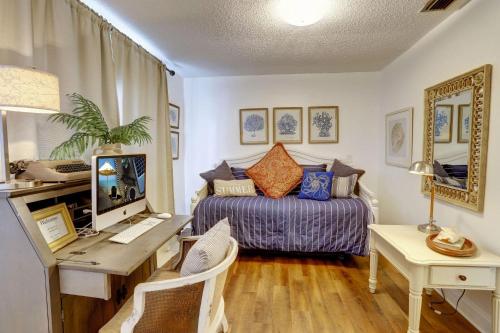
point(287, 294)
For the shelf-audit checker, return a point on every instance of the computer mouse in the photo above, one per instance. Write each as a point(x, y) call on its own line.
point(164, 215)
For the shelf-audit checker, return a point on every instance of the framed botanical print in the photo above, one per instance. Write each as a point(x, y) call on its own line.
point(399, 138)
point(174, 114)
point(287, 125)
point(464, 121)
point(174, 141)
point(443, 123)
point(254, 129)
point(56, 226)
point(323, 124)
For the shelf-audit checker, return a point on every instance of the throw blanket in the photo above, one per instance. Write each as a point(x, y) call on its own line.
point(289, 224)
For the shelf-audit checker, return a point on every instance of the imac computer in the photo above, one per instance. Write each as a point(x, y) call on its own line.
point(118, 188)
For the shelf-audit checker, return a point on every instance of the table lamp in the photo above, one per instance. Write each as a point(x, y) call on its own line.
point(423, 168)
point(24, 90)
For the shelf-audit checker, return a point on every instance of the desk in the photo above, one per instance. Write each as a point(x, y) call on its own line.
point(84, 279)
point(68, 296)
point(92, 294)
point(405, 248)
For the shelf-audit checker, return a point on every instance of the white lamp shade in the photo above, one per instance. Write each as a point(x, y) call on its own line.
point(28, 90)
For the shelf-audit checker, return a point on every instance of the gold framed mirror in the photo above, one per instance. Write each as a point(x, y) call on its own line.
point(456, 137)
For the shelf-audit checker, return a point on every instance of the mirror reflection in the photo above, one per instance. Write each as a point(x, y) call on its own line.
point(452, 127)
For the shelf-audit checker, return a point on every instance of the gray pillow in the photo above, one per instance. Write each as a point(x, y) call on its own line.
point(439, 170)
point(342, 170)
point(209, 250)
point(223, 172)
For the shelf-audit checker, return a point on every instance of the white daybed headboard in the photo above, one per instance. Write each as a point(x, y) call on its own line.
point(298, 156)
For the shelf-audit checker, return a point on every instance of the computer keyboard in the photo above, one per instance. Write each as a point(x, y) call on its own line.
point(128, 235)
point(73, 167)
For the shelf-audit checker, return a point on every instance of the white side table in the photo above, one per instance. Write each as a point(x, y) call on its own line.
point(404, 247)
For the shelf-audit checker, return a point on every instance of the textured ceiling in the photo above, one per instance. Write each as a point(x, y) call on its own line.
point(245, 37)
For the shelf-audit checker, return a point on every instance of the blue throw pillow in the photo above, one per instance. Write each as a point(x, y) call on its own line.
point(316, 185)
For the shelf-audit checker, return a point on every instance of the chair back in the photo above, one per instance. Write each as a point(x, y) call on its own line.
point(182, 305)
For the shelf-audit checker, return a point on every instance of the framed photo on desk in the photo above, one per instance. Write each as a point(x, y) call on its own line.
point(56, 226)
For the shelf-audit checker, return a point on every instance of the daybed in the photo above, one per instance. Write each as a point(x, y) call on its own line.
point(290, 224)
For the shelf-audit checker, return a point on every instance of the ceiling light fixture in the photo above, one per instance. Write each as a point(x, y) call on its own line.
point(302, 12)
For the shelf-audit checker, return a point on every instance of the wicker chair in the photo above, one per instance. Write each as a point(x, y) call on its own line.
point(168, 303)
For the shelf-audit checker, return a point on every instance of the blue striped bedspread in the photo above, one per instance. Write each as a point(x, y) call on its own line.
point(289, 224)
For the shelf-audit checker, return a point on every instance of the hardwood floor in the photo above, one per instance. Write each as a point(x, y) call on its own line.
point(286, 294)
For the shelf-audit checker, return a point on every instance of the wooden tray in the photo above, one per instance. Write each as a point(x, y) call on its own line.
point(468, 249)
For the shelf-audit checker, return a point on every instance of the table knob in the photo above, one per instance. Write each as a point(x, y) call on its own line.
point(462, 277)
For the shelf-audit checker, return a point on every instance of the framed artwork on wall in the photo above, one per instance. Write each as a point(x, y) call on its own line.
point(443, 123)
point(56, 226)
point(175, 142)
point(464, 120)
point(323, 124)
point(174, 114)
point(287, 125)
point(254, 128)
point(399, 137)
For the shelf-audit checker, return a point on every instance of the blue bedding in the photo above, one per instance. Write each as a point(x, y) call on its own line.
point(289, 224)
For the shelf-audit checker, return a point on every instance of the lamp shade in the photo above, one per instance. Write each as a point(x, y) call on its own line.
point(28, 90)
point(421, 168)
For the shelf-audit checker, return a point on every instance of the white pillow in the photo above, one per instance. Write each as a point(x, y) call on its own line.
point(343, 187)
point(209, 250)
point(234, 188)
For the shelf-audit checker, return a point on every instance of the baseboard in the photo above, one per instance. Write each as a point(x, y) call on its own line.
point(469, 309)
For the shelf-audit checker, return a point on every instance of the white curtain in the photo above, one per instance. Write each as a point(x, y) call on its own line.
point(64, 37)
point(142, 87)
point(16, 48)
point(73, 43)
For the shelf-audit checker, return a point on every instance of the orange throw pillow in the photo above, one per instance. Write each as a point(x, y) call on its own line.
point(276, 174)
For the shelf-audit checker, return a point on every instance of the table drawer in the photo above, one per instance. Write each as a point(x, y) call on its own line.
point(83, 283)
point(462, 276)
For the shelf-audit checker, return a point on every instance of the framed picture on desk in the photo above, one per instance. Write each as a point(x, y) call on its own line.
point(56, 226)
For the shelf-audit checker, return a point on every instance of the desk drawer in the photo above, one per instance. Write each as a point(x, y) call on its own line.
point(474, 277)
point(83, 283)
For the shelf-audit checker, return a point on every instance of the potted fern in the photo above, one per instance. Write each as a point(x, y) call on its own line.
point(90, 129)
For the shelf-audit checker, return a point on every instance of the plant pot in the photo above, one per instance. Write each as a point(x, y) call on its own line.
point(109, 149)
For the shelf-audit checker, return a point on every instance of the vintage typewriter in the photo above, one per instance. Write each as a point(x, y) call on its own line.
point(52, 171)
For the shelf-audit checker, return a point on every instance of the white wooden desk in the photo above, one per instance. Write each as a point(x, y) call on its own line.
point(405, 248)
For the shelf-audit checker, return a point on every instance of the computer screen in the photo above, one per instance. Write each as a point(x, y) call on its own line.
point(121, 180)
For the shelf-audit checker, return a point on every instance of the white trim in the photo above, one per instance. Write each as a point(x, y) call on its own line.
point(453, 157)
point(469, 309)
point(299, 156)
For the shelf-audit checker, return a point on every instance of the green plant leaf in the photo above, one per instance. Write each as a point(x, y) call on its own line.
point(90, 128)
point(134, 133)
point(74, 147)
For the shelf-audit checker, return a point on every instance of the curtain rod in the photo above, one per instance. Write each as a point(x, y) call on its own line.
point(112, 27)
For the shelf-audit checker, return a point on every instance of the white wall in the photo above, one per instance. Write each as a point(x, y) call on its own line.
point(176, 96)
point(212, 117)
point(466, 40)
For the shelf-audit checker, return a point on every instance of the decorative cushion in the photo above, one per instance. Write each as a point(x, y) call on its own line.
point(342, 170)
point(209, 250)
point(312, 168)
point(234, 188)
point(223, 171)
point(276, 173)
point(316, 185)
point(439, 170)
point(456, 170)
point(240, 173)
point(343, 187)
